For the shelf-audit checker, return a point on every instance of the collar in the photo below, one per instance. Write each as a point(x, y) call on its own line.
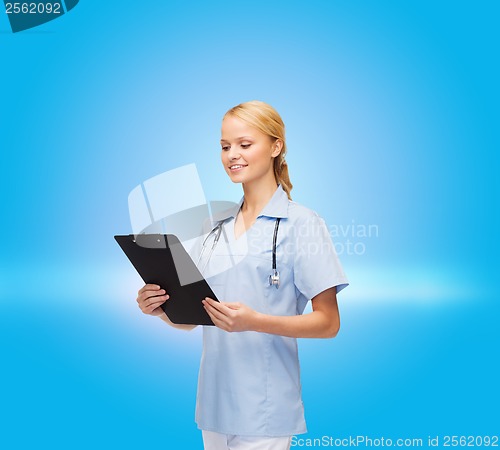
point(276, 207)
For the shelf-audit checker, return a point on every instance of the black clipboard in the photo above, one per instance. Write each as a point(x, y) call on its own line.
point(161, 259)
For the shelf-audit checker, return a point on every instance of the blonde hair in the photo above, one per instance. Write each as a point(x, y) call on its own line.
point(266, 119)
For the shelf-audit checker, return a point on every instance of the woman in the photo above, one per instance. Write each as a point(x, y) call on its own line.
point(249, 392)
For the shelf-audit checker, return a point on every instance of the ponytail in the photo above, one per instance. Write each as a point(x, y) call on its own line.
point(281, 174)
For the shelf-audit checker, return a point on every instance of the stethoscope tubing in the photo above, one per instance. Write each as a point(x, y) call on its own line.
point(217, 227)
point(274, 278)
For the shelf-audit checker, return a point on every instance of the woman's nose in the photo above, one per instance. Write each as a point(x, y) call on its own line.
point(233, 154)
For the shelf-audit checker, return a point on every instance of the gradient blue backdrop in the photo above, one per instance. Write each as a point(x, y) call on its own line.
point(392, 114)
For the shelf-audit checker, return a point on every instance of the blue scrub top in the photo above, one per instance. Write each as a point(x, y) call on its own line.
point(249, 382)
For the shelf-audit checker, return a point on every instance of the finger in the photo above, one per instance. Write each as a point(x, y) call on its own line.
point(148, 287)
point(147, 309)
point(219, 306)
point(150, 294)
point(152, 308)
point(159, 300)
point(233, 305)
point(210, 300)
point(210, 314)
point(156, 294)
point(216, 306)
point(215, 312)
point(216, 321)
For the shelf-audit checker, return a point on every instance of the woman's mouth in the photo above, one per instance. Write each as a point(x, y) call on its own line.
point(237, 167)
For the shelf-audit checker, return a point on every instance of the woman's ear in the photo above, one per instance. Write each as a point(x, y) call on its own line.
point(277, 147)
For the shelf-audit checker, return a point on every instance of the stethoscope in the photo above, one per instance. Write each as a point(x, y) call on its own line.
point(274, 278)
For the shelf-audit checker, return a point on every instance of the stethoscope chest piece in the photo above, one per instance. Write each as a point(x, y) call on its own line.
point(274, 279)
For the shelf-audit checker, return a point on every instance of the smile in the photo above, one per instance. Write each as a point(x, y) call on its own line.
point(237, 167)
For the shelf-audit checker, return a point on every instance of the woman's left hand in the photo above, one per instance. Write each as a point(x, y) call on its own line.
point(231, 316)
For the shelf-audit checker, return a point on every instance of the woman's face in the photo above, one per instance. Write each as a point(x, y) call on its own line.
point(247, 154)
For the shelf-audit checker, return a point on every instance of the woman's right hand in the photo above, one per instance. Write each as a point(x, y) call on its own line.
point(150, 298)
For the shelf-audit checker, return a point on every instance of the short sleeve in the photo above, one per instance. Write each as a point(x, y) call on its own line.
point(316, 264)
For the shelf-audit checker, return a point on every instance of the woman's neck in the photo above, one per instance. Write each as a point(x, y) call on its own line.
point(256, 196)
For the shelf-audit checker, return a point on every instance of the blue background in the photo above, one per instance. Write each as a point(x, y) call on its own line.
point(392, 113)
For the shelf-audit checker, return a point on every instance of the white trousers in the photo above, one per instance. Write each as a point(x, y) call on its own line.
point(218, 441)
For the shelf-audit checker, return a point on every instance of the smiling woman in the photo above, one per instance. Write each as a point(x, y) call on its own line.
point(246, 127)
point(249, 390)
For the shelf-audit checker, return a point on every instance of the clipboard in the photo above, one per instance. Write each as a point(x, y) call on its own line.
point(161, 259)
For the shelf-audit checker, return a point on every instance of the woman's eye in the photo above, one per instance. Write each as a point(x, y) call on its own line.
point(245, 146)
point(225, 147)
